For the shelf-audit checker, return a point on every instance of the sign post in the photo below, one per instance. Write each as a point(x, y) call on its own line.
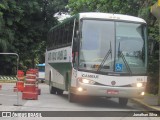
point(12, 54)
point(15, 54)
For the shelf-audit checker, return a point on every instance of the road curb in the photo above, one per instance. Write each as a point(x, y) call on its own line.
point(146, 106)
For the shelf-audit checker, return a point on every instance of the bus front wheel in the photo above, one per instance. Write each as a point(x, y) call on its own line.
point(71, 97)
point(123, 101)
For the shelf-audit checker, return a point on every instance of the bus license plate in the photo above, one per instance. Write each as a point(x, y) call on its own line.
point(112, 91)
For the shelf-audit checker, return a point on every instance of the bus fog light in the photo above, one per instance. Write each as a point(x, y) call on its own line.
point(142, 93)
point(139, 84)
point(80, 89)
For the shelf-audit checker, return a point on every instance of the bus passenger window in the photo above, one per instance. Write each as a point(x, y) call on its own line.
point(75, 59)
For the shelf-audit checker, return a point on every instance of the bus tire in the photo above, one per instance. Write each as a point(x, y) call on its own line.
point(59, 92)
point(52, 90)
point(123, 101)
point(71, 97)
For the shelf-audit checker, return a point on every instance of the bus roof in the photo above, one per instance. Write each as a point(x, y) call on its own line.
point(99, 15)
point(65, 21)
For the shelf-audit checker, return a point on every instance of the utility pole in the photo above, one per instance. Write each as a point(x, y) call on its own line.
point(155, 10)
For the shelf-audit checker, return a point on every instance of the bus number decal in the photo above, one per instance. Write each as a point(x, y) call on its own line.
point(57, 55)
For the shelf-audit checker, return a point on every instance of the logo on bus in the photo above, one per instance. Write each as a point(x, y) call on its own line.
point(113, 82)
point(90, 76)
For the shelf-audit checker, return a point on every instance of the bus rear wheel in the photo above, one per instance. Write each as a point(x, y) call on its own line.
point(59, 92)
point(52, 90)
point(123, 101)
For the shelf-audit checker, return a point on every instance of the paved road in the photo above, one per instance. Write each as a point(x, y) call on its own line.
point(61, 107)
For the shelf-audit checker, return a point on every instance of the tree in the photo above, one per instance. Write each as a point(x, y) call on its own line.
point(23, 28)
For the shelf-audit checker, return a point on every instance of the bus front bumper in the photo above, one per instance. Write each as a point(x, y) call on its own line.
point(108, 91)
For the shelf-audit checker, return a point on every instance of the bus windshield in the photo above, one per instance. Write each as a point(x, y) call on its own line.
point(112, 46)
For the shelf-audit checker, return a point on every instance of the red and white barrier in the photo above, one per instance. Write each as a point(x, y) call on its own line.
point(31, 90)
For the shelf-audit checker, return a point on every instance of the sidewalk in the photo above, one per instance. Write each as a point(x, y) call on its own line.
point(150, 102)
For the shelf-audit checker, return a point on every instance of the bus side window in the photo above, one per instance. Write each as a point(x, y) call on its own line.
point(63, 35)
point(75, 46)
point(60, 36)
point(75, 52)
point(75, 59)
point(52, 38)
point(75, 37)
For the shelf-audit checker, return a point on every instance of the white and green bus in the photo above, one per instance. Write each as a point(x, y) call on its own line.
point(98, 54)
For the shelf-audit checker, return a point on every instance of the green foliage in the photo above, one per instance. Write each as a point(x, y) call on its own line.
point(23, 29)
point(153, 74)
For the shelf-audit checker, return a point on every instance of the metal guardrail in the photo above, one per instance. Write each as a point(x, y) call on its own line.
point(8, 78)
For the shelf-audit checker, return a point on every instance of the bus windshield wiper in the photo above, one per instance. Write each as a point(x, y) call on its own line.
point(124, 59)
point(105, 58)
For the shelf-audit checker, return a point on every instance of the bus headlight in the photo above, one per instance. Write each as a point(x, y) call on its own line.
point(139, 84)
point(86, 81)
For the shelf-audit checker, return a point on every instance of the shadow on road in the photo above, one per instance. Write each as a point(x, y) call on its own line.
point(101, 102)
